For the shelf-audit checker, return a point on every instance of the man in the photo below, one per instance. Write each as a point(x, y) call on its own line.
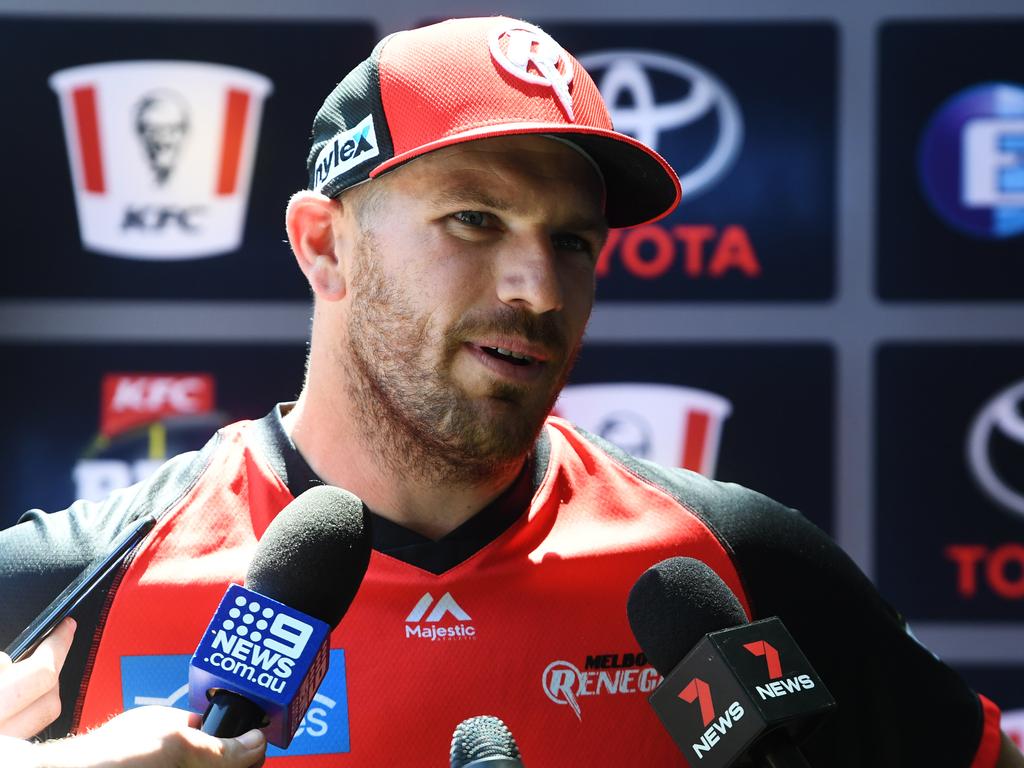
point(461, 182)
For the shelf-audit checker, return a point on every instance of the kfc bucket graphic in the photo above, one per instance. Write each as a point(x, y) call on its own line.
point(674, 426)
point(161, 154)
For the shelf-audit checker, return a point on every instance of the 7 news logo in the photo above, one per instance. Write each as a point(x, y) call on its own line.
point(700, 691)
point(737, 681)
point(324, 730)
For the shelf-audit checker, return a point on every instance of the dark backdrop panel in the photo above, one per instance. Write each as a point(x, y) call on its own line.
point(950, 543)
point(779, 437)
point(41, 238)
point(764, 227)
point(924, 253)
point(57, 415)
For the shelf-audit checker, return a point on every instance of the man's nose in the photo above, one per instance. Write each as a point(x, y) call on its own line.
point(528, 275)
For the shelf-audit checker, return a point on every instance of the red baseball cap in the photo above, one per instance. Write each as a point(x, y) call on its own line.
point(465, 79)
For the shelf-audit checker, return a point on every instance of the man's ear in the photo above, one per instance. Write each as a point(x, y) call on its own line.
point(312, 221)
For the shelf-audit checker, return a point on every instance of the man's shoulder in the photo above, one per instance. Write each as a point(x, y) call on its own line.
point(706, 497)
point(44, 551)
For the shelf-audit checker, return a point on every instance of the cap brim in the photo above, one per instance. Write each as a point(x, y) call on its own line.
point(640, 185)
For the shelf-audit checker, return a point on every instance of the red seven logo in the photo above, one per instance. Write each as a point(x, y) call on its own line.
point(762, 648)
point(698, 689)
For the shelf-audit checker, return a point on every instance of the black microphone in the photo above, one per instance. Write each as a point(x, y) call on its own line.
point(484, 742)
point(732, 690)
point(266, 651)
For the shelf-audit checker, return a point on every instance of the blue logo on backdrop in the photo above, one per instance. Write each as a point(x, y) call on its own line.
point(972, 161)
point(324, 730)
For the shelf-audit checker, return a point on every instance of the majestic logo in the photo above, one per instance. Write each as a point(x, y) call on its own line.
point(626, 81)
point(420, 623)
point(161, 122)
point(532, 55)
point(564, 683)
point(1000, 424)
point(345, 151)
point(971, 161)
point(677, 426)
point(162, 680)
point(184, 193)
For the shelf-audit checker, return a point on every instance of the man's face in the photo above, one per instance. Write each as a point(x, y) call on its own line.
point(469, 292)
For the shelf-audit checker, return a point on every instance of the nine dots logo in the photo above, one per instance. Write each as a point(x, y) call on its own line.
point(248, 619)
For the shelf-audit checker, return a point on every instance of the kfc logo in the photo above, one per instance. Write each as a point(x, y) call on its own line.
point(161, 122)
point(668, 424)
point(132, 400)
point(144, 419)
point(532, 55)
point(161, 155)
point(995, 447)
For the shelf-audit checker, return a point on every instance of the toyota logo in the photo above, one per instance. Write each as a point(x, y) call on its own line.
point(1003, 414)
point(626, 73)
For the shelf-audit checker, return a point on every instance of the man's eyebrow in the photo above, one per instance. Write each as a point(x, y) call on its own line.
point(472, 194)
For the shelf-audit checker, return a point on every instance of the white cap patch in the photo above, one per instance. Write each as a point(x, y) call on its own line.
point(345, 151)
point(527, 44)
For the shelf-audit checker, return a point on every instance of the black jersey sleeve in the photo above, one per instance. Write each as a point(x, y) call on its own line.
point(898, 704)
point(43, 552)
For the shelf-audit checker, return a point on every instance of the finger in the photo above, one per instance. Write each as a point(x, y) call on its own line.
point(31, 719)
point(247, 750)
point(54, 649)
point(5, 661)
point(31, 679)
point(243, 751)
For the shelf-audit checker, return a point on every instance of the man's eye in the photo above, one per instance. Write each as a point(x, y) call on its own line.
point(471, 218)
point(570, 242)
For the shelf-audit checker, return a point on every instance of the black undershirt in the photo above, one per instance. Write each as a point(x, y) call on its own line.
point(395, 540)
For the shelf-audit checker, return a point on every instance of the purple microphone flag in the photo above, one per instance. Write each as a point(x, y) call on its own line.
point(272, 655)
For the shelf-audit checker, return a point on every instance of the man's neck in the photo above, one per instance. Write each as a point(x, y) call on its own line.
point(333, 447)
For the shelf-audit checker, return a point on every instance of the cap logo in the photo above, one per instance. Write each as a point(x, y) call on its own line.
point(528, 45)
point(345, 151)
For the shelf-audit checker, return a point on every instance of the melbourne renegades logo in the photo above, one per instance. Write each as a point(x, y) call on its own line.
point(530, 54)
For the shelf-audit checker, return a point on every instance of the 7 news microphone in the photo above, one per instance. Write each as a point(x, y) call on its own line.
point(734, 692)
point(266, 651)
point(484, 742)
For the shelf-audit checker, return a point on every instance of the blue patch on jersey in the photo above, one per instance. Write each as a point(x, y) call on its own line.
point(164, 680)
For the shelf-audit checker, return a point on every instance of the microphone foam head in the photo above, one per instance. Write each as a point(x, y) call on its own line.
point(482, 738)
point(674, 604)
point(314, 554)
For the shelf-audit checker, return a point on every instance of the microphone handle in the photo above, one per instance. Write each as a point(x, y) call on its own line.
point(230, 715)
point(777, 750)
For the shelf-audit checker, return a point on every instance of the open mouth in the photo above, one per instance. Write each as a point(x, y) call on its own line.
point(509, 356)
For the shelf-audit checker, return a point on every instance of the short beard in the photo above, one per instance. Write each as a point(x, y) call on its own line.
point(411, 414)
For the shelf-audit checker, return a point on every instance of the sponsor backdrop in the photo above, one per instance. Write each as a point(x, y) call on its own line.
point(92, 418)
point(834, 316)
point(164, 165)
